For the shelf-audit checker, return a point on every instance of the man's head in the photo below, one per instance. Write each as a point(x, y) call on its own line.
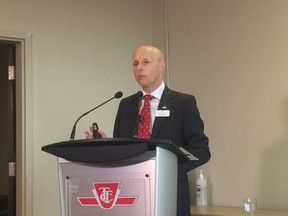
point(148, 67)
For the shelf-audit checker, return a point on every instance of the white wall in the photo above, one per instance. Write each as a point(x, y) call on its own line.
point(232, 55)
point(81, 56)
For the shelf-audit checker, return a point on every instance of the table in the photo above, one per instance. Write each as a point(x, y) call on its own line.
point(231, 211)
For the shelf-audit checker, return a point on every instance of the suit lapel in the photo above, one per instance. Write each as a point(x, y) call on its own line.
point(166, 103)
point(134, 111)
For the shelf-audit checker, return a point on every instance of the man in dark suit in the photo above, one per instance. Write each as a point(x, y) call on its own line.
point(174, 116)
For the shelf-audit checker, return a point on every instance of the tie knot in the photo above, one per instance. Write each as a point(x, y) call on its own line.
point(148, 97)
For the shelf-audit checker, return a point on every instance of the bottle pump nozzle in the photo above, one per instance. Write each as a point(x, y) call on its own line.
point(201, 174)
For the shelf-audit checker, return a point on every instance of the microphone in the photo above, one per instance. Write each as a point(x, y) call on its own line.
point(118, 94)
point(138, 117)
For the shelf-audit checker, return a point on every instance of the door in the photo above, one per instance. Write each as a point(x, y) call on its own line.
point(7, 129)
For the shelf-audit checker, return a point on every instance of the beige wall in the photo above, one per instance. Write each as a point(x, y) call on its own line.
point(80, 56)
point(232, 55)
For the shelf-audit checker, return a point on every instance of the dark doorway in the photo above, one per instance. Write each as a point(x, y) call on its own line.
point(7, 129)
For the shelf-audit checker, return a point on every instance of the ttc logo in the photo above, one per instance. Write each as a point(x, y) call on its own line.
point(106, 195)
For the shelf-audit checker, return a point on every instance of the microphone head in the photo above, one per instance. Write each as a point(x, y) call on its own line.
point(139, 94)
point(118, 94)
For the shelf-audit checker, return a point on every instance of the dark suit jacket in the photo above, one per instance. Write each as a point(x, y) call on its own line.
point(184, 127)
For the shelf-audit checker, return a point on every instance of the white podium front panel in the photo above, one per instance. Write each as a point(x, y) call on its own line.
point(166, 183)
point(122, 188)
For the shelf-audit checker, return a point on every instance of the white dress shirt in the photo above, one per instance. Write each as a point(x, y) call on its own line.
point(154, 103)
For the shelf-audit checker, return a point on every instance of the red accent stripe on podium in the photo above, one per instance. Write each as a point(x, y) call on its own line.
point(88, 201)
point(126, 200)
point(91, 201)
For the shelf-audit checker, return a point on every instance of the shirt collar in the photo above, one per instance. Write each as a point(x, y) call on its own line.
point(158, 92)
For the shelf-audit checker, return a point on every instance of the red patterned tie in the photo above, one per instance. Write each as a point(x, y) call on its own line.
point(144, 124)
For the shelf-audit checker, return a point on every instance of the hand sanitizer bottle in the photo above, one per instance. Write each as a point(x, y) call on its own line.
point(201, 190)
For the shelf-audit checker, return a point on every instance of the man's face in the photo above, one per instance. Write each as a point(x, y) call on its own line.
point(148, 68)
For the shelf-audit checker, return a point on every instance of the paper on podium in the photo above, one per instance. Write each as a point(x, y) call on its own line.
point(188, 154)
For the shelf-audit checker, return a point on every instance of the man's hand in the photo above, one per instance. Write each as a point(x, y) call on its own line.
point(89, 134)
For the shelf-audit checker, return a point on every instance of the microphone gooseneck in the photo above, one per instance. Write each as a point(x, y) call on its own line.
point(119, 94)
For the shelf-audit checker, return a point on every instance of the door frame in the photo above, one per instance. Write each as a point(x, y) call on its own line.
point(24, 141)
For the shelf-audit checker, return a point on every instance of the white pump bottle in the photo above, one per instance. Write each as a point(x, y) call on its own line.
point(201, 190)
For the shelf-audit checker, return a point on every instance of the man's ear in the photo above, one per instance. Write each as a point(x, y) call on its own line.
point(163, 66)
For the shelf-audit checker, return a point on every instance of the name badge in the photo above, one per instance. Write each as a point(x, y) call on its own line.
point(162, 113)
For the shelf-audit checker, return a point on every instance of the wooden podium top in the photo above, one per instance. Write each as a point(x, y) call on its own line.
point(231, 211)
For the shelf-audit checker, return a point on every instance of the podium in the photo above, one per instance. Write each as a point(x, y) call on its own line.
point(117, 177)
